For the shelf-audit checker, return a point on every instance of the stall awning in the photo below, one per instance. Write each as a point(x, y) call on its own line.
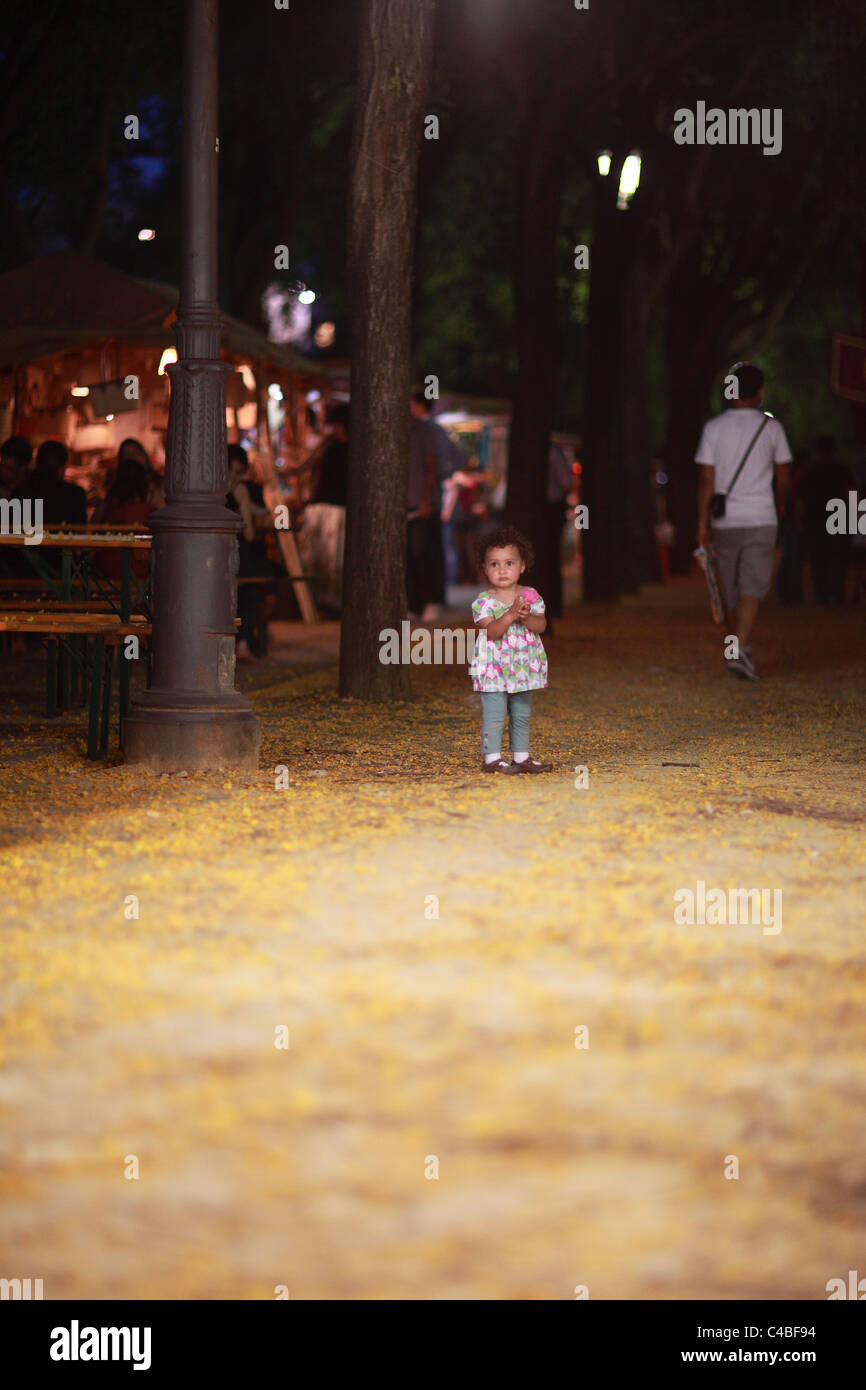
point(66, 300)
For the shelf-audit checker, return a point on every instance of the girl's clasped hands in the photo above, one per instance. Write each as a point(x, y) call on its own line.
point(520, 609)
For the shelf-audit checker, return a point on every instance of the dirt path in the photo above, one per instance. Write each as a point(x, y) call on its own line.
point(418, 1039)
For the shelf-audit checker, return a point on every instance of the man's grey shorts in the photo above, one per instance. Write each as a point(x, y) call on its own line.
point(745, 556)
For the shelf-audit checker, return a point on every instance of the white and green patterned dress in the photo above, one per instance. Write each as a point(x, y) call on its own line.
point(517, 661)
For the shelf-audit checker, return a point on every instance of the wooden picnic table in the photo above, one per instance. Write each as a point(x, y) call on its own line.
point(67, 629)
point(95, 527)
point(85, 541)
point(47, 603)
point(24, 620)
point(115, 539)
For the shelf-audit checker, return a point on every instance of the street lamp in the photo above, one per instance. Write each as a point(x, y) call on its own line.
point(629, 179)
point(191, 716)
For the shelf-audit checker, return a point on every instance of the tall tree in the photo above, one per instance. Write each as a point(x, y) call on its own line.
point(394, 65)
point(540, 42)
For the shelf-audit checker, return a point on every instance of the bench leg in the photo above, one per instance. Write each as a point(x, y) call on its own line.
point(63, 659)
point(95, 693)
point(106, 699)
point(62, 678)
point(77, 655)
point(123, 682)
point(51, 678)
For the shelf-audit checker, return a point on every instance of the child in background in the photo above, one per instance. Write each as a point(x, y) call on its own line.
point(509, 660)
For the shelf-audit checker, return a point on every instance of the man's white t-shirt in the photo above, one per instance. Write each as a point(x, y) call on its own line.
point(724, 441)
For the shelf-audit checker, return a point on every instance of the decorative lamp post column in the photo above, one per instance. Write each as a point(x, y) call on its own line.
point(192, 716)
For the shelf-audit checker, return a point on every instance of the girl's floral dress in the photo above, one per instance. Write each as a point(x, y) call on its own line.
point(517, 661)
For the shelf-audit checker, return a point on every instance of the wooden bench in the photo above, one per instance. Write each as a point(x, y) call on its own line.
point(108, 632)
point(49, 604)
point(60, 623)
point(18, 584)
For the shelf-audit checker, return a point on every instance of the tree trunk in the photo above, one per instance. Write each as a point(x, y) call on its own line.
point(688, 415)
point(395, 60)
point(539, 193)
point(603, 483)
point(640, 561)
point(692, 365)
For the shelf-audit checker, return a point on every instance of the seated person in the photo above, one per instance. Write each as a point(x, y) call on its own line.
point(61, 501)
point(126, 504)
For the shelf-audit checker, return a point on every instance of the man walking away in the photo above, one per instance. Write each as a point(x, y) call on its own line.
point(449, 458)
point(740, 452)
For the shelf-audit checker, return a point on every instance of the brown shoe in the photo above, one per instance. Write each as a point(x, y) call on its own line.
point(530, 765)
point(501, 766)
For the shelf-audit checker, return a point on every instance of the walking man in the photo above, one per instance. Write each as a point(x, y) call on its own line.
point(740, 454)
point(450, 458)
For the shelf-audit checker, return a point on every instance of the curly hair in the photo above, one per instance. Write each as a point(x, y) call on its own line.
point(501, 537)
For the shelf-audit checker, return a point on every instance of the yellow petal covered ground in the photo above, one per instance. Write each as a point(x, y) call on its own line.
point(419, 1042)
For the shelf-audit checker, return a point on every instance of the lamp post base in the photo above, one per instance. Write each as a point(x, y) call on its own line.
point(172, 739)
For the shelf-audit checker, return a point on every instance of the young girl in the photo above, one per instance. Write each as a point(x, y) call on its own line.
point(509, 660)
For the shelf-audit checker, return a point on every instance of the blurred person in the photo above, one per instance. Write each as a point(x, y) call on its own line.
point(132, 448)
point(61, 501)
point(789, 580)
point(238, 500)
point(450, 458)
point(560, 481)
point(663, 529)
point(450, 492)
point(425, 562)
point(857, 571)
point(741, 453)
point(257, 600)
point(126, 504)
point(509, 662)
point(470, 510)
point(827, 479)
point(255, 489)
point(322, 535)
point(16, 455)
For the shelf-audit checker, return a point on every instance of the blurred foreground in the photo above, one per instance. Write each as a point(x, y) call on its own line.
point(415, 1036)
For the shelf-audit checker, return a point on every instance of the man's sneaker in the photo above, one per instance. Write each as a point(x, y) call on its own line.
point(742, 666)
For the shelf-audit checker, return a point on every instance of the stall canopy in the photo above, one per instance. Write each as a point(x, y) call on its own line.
point(66, 300)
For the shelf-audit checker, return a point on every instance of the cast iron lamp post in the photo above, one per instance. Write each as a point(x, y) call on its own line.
point(192, 716)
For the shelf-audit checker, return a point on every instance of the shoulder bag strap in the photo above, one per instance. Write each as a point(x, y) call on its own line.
point(746, 455)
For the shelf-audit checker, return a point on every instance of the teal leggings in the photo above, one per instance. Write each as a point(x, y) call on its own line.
point(495, 704)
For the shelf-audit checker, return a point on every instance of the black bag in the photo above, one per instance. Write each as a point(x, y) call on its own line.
point(719, 499)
